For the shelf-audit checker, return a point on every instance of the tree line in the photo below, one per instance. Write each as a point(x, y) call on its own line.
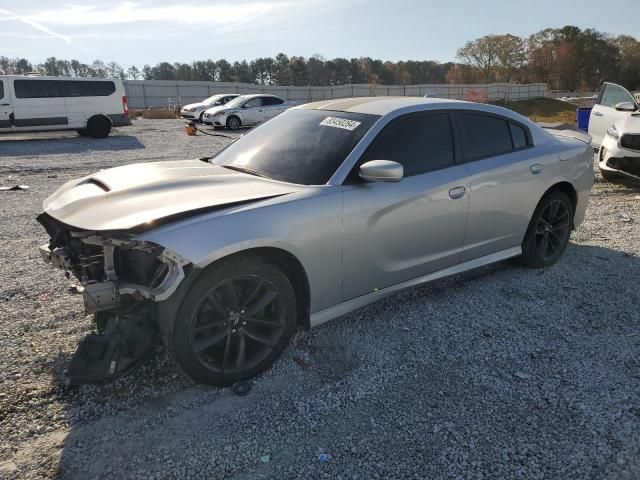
point(567, 58)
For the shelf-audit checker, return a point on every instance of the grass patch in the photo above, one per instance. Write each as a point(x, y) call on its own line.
point(543, 110)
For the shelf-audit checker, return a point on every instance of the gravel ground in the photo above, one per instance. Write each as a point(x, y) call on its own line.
point(500, 373)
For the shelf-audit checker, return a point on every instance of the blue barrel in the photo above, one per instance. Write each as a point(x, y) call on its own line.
point(582, 118)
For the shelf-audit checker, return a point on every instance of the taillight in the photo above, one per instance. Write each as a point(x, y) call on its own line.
point(125, 107)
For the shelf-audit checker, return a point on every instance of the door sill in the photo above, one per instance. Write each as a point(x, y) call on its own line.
point(350, 305)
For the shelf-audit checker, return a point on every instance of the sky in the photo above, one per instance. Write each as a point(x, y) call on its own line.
point(138, 32)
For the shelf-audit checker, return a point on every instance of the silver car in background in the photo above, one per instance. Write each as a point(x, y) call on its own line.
point(246, 111)
point(321, 210)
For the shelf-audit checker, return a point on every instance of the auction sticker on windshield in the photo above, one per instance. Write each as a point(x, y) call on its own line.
point(340, 123)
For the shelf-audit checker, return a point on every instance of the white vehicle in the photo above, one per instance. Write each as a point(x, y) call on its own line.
point(246, 111)
point(614, 125)
point(194, 111)
point(35, 104)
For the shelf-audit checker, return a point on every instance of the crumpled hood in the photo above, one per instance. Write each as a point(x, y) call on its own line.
point(125, 197)
point(629, 124)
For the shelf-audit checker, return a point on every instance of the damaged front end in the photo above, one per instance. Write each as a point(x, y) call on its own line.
point(123, 281)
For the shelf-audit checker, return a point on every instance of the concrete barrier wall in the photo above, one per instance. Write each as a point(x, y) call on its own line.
point(169, 93)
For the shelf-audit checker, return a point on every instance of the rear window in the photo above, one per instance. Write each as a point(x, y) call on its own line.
point(63, 88)
point(484, 136)
point(298, 146)
point(519, 136)
point(1, 89)
point(272, 101)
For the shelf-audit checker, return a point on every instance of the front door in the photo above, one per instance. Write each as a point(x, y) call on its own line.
point(5, 108)
point(253, 111)
point(394, 232)
point(604, 113)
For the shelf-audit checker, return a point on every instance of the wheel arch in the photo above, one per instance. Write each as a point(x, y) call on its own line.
point(569, 190)
point(278, 257)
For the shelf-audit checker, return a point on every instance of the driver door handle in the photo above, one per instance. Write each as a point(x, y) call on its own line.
point(457, 192)
point(4, 104)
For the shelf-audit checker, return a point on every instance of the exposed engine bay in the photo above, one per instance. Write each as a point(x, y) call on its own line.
point(123, 280)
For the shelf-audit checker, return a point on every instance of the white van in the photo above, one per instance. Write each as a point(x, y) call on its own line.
point(35, 104)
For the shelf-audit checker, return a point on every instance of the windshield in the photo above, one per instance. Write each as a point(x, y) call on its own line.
point(212, 100)
point(236, 102)
point(298, 146)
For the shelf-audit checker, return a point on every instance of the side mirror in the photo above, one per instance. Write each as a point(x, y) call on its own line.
point(381, 171)
point(625, 107)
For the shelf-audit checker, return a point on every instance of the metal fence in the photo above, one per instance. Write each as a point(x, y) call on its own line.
point(161, 93)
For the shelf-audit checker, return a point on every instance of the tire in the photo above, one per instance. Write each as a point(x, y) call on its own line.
point(234, 322)
point(549, 230)
point(201, 117)
point(233, 123)
point(82, 132)
point(610, 177)
point(98, 127)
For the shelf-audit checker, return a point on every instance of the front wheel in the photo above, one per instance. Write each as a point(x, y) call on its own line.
point(233, 123)
point(234, 322)
point(549, 230)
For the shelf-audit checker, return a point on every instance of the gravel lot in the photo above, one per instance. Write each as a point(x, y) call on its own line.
point(500, 373)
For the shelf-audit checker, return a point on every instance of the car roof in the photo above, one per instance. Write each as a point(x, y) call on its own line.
point(253, 95)
point(377, 105)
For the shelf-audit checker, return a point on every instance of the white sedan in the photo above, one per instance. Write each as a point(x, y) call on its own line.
point(194, 111)
point(614, 125)
point(246, 111)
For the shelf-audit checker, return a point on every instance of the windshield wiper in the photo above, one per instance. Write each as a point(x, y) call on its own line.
point(245, 170)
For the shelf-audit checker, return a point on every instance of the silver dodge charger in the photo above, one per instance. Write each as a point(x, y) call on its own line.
point(321, 210)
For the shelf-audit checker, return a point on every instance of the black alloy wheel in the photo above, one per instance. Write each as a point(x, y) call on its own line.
point(549, 230)
point(234, 322)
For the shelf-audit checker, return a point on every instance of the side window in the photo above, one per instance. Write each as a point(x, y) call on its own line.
point(421, 144)
point(1, 88)
point(78, 88)
point(613, 95)
point(272, 101)
point(254, 102)
point(483, 136)
point(40, 88)
point(519, 136)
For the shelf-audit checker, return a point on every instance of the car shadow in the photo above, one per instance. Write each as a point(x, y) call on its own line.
point(158, 409)
point(31, 146)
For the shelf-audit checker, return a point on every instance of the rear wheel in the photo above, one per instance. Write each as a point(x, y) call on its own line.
point(549, 230)
point(82, 132)
point(234, 322)
point(233, 123)
point(98, 127)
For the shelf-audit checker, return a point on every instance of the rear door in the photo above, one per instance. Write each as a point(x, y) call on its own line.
point(38, 104)
point(394, 232)
point(604, 113)
point(272, 107)
point(5, 107)
point(89, 97)
point(504, 176)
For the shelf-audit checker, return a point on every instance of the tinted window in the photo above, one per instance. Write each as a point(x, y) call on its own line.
point(420, 144)
point(272, 101)
point(298, 146)
point(1, 89)
point(62, 88)
point(614, 94)
point(39, 88)
point(483, 136)
point(90, 89)
point(254, 102)
point(519, 136)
